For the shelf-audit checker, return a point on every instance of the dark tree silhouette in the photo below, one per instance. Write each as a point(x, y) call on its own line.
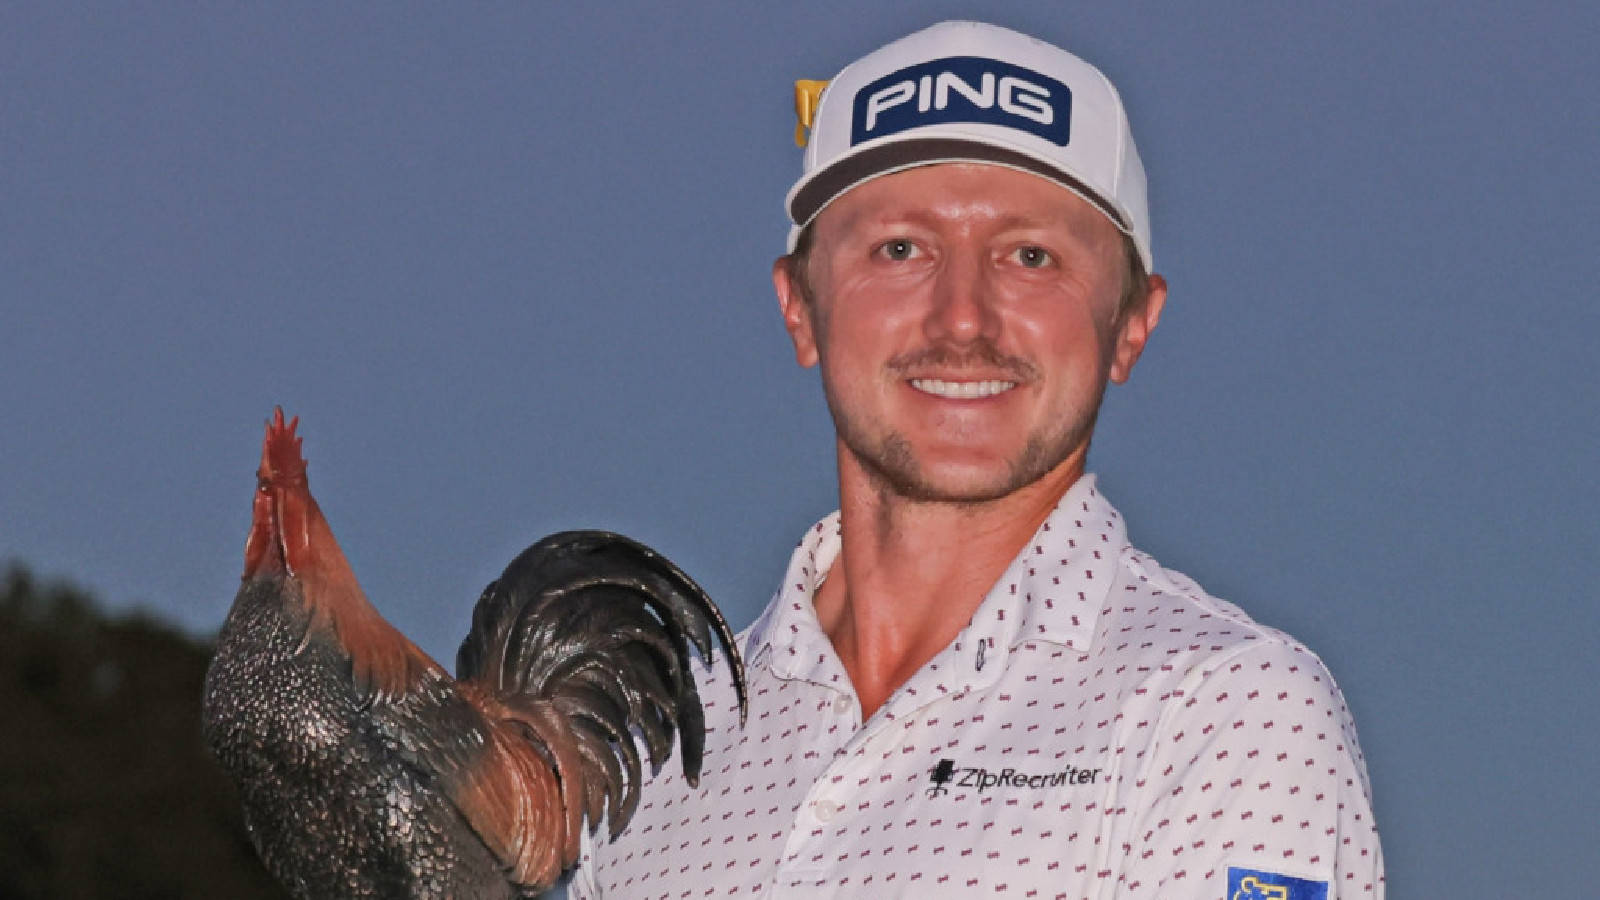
point(106, 790)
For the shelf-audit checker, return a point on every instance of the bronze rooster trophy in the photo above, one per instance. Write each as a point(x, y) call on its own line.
point(367, 771)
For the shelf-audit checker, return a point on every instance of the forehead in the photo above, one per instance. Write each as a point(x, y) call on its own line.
point(966, 195)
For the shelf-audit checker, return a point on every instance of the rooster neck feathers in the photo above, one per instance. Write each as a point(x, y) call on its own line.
point(289, 537)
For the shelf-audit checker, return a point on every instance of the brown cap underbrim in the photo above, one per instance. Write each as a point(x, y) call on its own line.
point(905, 154)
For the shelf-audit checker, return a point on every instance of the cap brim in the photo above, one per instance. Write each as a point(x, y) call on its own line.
point(894, 156)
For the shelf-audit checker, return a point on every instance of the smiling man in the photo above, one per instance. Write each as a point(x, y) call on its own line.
point(969, 683)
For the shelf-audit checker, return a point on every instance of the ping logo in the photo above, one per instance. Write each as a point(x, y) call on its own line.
point(1256, 884)
point(963, 89)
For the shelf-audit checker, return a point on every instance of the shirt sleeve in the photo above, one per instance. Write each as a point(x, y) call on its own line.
point(1255, 788)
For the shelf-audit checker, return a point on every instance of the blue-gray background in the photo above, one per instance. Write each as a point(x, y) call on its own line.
point(510, 265)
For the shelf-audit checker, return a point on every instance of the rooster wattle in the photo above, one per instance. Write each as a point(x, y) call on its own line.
point(365, 770)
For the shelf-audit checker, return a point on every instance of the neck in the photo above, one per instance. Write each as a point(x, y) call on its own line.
point(910, 574)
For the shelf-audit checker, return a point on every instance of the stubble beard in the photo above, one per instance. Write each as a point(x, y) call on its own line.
point(890, 461)
point(892, 465)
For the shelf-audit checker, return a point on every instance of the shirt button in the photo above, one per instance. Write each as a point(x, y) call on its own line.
point(841, 704)
point(826, 810)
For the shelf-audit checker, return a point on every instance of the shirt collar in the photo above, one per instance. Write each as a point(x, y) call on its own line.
point(1053, 590)
point(1056, 587)
point(787, 637)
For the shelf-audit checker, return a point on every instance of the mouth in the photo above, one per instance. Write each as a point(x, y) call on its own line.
point(962, 390)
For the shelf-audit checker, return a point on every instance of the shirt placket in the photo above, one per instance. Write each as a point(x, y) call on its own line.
point(814, 845)
point(810, 848)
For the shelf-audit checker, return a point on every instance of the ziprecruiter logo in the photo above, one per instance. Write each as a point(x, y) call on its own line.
point(947, 775)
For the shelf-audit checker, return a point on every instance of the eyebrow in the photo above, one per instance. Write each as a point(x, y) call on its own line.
point(926, 218)
point(1016, 220)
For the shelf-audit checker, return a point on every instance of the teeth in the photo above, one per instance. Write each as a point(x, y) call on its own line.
point(961, 390)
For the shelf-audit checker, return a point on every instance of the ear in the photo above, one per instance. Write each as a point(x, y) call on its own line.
point(1136, 328)
point(797, 312)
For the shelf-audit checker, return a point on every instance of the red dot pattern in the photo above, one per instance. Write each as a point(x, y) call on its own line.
point(1213, 742)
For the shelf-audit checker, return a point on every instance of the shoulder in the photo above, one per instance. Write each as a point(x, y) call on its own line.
point(1225, 671)
point(1197, 644)
point(1173, 610)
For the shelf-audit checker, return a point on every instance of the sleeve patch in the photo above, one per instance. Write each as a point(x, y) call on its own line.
point(1256, 884)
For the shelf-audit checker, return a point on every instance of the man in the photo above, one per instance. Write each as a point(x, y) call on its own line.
point(969, 684)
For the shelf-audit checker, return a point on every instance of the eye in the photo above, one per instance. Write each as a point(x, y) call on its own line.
point(1032, 257)
point(898, 249)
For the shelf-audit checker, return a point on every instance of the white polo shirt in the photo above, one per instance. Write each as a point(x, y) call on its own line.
point(1101, 728)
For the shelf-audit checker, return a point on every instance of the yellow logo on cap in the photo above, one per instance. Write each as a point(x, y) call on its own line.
point(807, 94)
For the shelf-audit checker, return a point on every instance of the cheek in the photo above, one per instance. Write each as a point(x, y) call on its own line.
point(1064, 335)
point(848, 364)
point(863, 331)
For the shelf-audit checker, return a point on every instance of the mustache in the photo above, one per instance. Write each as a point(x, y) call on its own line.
point(978, 354)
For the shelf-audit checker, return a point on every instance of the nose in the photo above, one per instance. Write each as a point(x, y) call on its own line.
point(962, 307)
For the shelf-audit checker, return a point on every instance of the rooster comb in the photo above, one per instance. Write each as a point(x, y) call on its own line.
point(280, 451)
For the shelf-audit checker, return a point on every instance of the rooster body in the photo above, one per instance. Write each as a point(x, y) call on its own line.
point(365, 770)
point(326, 778)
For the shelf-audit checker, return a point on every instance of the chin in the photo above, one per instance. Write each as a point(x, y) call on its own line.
point(959, 477)
point(965, 493)
point(927, 465)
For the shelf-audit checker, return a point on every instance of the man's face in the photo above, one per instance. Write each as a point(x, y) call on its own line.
point(965, 320)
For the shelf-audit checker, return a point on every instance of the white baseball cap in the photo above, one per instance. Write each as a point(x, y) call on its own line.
point(971, 92)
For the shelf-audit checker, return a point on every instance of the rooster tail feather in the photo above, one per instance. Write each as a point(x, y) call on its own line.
point(585, 639)
point(692, 735)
